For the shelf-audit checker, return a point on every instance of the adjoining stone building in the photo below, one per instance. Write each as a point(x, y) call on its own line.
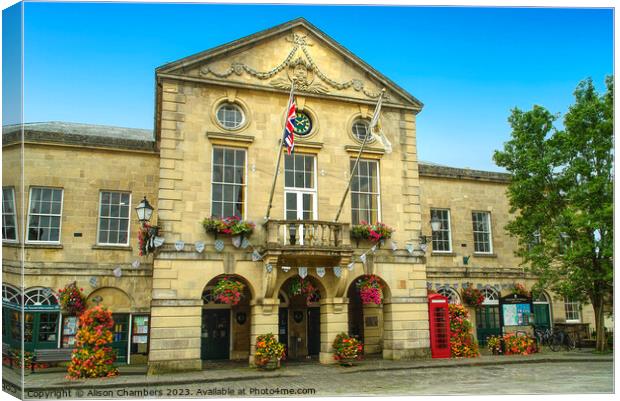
point(218, 119)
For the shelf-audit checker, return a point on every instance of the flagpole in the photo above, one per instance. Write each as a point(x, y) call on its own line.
point(357, 160)
point(275, 175)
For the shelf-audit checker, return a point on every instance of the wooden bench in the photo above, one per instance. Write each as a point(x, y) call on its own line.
point(6, 351)
point(50, 355)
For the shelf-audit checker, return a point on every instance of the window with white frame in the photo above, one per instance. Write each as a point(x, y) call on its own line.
point(482, 232)
point(44, 215)
point(442, 238)
point(365, 200)
point(230, 116)
point(9, 225)
point(572, 309)
point(450, 293)
point(114, 212)
point(228, 182)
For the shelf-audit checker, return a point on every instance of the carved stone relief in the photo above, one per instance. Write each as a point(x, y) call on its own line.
point(301, 70)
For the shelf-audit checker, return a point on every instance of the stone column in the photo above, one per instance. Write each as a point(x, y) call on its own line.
point(334, 320)
point(406, 328)
point(264, 319)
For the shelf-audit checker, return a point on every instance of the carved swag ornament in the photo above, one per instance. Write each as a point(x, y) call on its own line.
point(302, 71)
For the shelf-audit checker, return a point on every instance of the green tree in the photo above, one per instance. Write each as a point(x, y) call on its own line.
point(561, 194)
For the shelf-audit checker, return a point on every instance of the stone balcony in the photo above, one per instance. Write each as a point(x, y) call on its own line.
point(307, 243)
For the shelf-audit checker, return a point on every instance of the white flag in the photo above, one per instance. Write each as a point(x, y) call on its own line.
point(375, 128)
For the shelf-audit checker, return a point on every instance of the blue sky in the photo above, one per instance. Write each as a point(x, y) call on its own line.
point(94, 63)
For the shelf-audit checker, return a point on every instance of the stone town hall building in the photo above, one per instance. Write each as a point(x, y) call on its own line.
point(218, 118)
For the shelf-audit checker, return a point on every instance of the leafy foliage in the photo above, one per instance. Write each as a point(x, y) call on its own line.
point(228, 225)
point(93, 356)
point(372, 232)
point(561, 192)
point(519, 345)
point(303, 286)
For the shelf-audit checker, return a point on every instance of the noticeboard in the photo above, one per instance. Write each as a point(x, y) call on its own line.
point(516, 310)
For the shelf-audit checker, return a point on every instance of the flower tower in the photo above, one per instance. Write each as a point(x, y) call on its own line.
point(462, 342)
point(93, 356)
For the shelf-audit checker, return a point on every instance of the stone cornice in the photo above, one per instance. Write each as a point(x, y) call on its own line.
point(430, 170)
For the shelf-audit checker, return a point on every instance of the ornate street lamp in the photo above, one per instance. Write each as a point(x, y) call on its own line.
point(435, 223)
point(144, 211)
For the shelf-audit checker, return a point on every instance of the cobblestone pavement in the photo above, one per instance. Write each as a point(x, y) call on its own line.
point(529, 378)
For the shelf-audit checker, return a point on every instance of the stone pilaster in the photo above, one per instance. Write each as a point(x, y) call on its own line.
point(406, 329)
point(264, 320)
point(334, 320)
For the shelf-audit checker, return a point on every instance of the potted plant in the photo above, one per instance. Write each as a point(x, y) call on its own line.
point(369, 288)
point(228, 291)
point(472, 296)
point(347, 349)
point(146, 233)
point(72, 300)
point(519, 344)
point(269, 352)
point(494, 344)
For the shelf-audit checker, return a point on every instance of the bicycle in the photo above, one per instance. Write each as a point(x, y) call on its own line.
point(543, 336)
point(562, 339)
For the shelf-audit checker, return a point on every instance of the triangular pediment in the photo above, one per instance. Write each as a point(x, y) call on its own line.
point(292, 52)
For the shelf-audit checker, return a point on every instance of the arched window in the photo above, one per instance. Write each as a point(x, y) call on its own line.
point(491, 296)
point(450, 293)
point(10, 295)
point(39, 297)
point(541, 298)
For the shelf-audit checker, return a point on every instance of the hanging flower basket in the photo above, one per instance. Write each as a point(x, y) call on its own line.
point(462, 341)
point(146, 234)
point(376, 233)
point(228, 226)
point(269, 352)
point(228, 291)
point(369, 288)
point(520, 290)
point(472, 296)
point(347, 349)
point(303, 286)
point(72, 300)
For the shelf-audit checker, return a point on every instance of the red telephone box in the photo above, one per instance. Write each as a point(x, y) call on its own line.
point(439, 321)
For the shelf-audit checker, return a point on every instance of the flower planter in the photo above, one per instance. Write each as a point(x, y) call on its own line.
point(272, 364)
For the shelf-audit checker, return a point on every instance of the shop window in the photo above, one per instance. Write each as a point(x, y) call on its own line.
point(48, 327)
point(40, 297)
point(114, 218)
point(365, 198)
point(228, 182)
point(69, 330)
point(140, 335)
point(482, 232)
point(44, 215)
point(11, 295)
point(572, 309)
point(9, 225)
point(442, 238)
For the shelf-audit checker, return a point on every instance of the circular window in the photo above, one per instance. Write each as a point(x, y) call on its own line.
point(361, 129)
point(303, 124)
point(230, 116)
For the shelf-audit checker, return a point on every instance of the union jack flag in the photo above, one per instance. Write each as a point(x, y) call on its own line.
point(289, 127)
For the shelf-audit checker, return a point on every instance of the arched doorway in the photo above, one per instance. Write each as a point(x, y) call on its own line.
point(487, 315)
point(119, 303)
point(225, 328)
point(299, 316)
point(542, 311)
point(366, 320)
